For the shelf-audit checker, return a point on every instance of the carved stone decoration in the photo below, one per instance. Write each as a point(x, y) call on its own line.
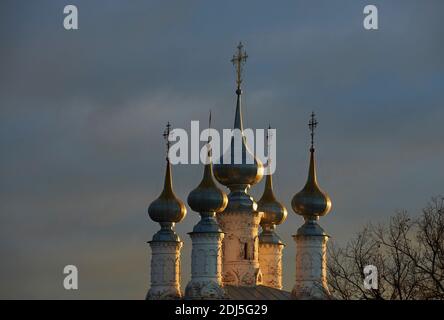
point(240, 261)
point(165, 270)
point(270, 261)
point(204, 290)
point(206, 270)
point(311, 267)
point(230, 277)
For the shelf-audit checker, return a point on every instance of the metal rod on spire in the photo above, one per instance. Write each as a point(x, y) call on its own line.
point(238, 61)
point(269, 135)
point(209, 140)
point(312, 124)
point(209, 121)
point(166, 135)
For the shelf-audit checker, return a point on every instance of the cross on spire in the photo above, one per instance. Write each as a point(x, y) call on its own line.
point(209, 140)
point(312, 124)
point(238, 61)
point(166, 135)
point(268, 137)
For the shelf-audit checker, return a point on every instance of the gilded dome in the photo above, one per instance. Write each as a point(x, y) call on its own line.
point(274, 212)
point(311, 201)
point(167, 208)
point(207, 197)
point(250, 170)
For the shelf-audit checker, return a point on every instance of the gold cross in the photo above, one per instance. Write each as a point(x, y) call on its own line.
point(312, 124)
point(238, 62)
point(166, 135)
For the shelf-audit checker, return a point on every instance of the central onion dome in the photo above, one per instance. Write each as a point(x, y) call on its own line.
point(243, 169)
point(274, 212)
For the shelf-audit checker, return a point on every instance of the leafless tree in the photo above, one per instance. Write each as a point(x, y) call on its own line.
point(408, 254)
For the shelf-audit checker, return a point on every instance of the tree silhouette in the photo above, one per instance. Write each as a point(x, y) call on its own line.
point(408, 254)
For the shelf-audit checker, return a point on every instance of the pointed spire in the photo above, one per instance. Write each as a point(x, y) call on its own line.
point(168, 182)
point(312, 183)
point(208, 179)
point(268, 191)
point(238, 122)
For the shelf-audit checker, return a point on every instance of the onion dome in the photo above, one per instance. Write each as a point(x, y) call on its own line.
point(167, 208)
point(311, 202)
point(208, 200)
point(274, 212)
point(207, 197)
point(243, 169)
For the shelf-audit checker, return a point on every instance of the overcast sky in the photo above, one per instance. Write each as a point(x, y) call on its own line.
point(82, 115)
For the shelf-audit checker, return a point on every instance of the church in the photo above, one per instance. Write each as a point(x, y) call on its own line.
point(236, 249)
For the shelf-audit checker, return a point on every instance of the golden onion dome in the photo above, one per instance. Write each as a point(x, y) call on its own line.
point(311, 202)
point(249, 170)
point(243, 169)
point(274, 212)
point(167, 208)
point(207, 197)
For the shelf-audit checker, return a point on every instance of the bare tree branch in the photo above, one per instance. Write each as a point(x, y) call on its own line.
point(408, 253)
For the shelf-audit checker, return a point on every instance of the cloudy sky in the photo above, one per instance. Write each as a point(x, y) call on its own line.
point(82, 113)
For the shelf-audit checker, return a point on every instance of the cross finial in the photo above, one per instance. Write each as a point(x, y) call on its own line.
point(312, 124)
point(269, 134)
point(268, 137)
point(238, 61)
point(166, 135)
point(209, 137)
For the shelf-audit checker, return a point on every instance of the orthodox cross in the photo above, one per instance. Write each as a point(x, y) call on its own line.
point(238, 61)
point(166, 135)
point(312, 124)
point(268, 137)
point(209, 137)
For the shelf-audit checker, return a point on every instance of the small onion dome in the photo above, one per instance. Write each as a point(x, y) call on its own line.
point(274, 212)
point(207, 197)
point(167, 208)
point(247, 172)
point(311, 202)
